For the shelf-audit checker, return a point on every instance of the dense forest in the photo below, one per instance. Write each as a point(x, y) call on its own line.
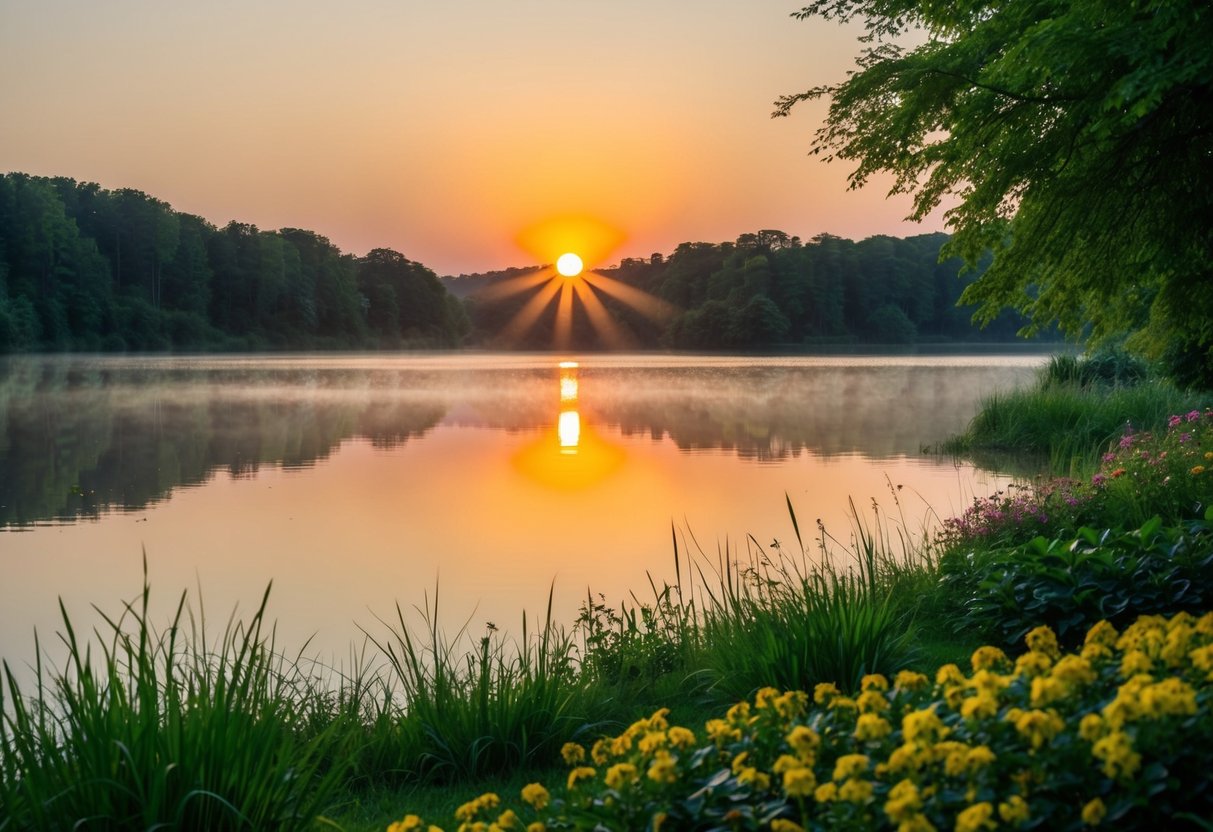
point(84, 268)
point(766, 289)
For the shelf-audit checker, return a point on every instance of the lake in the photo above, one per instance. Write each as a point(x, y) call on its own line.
point(354, 482)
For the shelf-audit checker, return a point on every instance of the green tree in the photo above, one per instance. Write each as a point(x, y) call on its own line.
point(1072, 138)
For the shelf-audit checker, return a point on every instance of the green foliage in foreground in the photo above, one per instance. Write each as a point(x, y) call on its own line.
point(159, 730)
point(1118, 733)
point(1069, 584)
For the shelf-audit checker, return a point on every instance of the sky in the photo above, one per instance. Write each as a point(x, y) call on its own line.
point(449, 131)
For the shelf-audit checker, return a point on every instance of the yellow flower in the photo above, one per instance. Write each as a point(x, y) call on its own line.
point(764, 699)
point(975, 818)
point(791, 704)
point(1033, 663)
point(1096, 652)
point(1170, 697)
point(903, 802)
point(536, 796)
point(825, 793)
point(855, 791)
point(924, 725)
point(986, 658)
point(1202, 658)
point(979, 757)
point(1102, 633)
point(1074, 671)
point(1135, 662)
point(1046, 690)
point(651, 741)
point(799, 782)
point(916, 823)
point(750, 776)
point(1043, 640)
point(657, 721)
point(738, 713)
point(949, 674)
point(785, 825)
point(468, 811)
point(681, 737)
point(739, 762)
point(664, 768)
point(1120, 761)
point(874, 681)
point(909, 680)
point(904, 757)
point(1014, 810)
point(619, 775)
point(871, 701)
point(824, 692)
point(659, 818)
point(804, 740)
point(850, 765)
point(509, 820)
point(572, 753)
point(871, 727)
point(578, 774)
point(983, 706)
point(720, 732)
point(842, 703)
point(1091, 727)
point(1094, 812)
point(1197, 470)
point(601, 752)
point(411, 823)
point(1038, 727)
point(537, 826)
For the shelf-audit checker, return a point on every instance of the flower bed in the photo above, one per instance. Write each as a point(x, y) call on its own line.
point(1118, 733)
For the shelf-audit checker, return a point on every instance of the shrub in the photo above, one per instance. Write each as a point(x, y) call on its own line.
point(1069, 584)
point(1119, 733)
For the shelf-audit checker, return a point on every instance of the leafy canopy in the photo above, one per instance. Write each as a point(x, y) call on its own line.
point(1074, 140)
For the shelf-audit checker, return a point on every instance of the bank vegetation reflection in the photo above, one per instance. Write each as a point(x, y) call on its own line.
point(79, 436)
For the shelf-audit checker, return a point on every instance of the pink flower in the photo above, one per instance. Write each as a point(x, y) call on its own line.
point(1173, 421)
point(1126, 441)
point(1108, 457)
point(1193, 415)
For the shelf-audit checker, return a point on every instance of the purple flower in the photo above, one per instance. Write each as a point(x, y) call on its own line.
point(1173, 421)
point(1185, 437)
point(1098, 480)
point(1193, 415)
point(1126, 441)
point(1108, 457)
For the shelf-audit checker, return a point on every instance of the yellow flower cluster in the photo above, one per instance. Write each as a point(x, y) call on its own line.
point(970, 751)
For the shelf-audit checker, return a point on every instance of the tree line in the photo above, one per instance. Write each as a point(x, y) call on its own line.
point(89, 269)
point(771, 289)
point(85, 268)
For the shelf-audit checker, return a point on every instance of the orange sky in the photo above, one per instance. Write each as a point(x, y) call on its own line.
point(441, 129)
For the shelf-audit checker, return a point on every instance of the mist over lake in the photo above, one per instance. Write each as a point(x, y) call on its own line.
point(357, 481)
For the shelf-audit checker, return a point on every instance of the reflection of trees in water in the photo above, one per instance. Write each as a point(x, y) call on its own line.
point(78, 436)
point(767, 413)
point(75, 443)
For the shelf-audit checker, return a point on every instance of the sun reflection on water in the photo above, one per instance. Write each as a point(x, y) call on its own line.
point(570, 454)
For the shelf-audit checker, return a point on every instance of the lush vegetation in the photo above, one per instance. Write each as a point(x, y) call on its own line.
point(768, 288)
point(1117, 732)
point(1070, 139)
point(84, 268)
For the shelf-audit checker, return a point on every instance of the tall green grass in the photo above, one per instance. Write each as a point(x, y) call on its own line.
point(789, 621)
point(462, 711)
point(162, 730)
point(1070, 425)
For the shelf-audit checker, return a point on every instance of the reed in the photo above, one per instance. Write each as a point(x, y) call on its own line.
point(159, 729)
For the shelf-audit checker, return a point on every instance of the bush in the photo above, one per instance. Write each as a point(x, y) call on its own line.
point(1121, 732)
point(1069, 584)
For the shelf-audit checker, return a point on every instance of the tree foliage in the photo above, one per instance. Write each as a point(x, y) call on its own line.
point(84, 268)
point(1072, 138)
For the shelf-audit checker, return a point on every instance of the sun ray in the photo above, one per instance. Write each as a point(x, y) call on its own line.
point(529, 313)
point(651, 307)
point(513, 285)
point(564, 317)
point(600, 319)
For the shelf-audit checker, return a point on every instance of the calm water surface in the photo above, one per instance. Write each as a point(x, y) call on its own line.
point(355, 482)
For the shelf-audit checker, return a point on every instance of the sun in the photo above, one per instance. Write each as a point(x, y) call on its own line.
point(569, 265)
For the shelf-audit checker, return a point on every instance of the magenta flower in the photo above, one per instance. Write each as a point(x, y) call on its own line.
point(1174, 421)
